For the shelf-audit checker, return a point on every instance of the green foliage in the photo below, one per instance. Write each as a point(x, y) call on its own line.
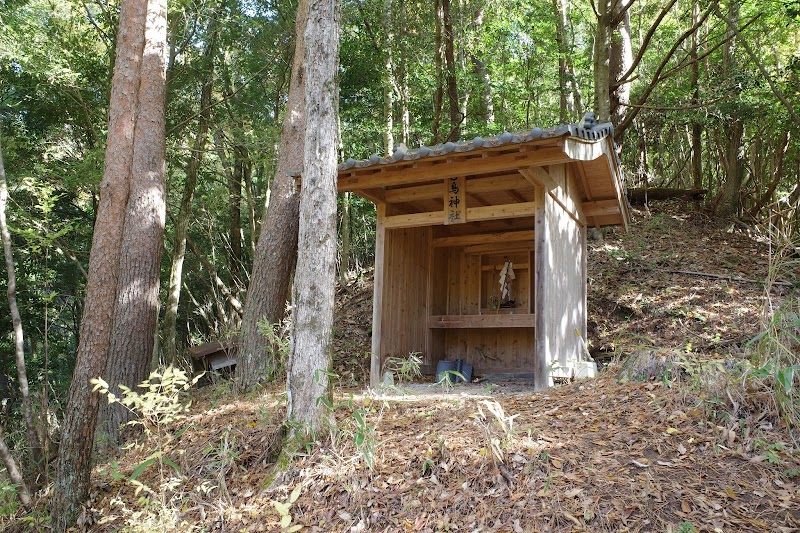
point(284, 511)
point(279, 346)
point(158, 408)
point(9, 502)
point(404, 369)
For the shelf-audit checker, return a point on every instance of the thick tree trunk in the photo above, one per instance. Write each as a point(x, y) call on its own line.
point(13, 472)
point(277, 247)
point(602, 68)
point(16, 320)
point(450, 65)
point(71, 485)
point(136, 313)
point(620, 60)
point(312, 321)
point(184, 215)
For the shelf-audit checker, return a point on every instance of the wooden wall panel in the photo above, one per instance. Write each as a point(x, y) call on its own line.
point(405, 300)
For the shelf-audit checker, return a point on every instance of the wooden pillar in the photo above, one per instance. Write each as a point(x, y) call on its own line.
point(542, 356)
point(377, 304)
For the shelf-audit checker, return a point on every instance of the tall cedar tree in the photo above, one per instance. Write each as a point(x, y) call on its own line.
point(312, 302)
point(136, 313)
point(128, 146)
point(277, 247)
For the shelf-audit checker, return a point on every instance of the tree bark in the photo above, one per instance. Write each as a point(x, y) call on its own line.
point(620, 60)
point(235, 179)
point(438, 60)
point(388, 80)
point(565, 89)
point(480, 70)
point(185, 212)
point(728, 201)
point(602, 58)
point(777, 174)
point(71, 486)
point(450, 65)
point(277, 247)
point(136, 312)
point(312, 321)
point(16, 320)
point(697, 126)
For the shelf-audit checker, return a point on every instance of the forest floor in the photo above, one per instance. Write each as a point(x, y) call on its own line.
point(684, 447)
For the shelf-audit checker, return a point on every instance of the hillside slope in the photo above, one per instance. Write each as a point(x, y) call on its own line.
point(688, 450)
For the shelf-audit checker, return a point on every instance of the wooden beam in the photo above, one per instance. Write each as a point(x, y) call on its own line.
point(515, 196)
point(386, 176)
point(584, 182)
point(474, 185)
point(482, 321)
point(491, 212)
point(478, 199)
point(539, 176)
point(414, 220)
point(499, 247)
point(376, 196)
point(412, 194)
point(474, 214)
point(601, 207)
point(483, 238)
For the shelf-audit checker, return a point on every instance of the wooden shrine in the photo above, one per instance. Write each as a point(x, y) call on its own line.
point(480, 249)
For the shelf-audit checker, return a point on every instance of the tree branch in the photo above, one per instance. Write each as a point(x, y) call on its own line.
point(645, 43)
point(775, 89)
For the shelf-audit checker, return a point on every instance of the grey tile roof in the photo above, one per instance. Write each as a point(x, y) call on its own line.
point(587, 129)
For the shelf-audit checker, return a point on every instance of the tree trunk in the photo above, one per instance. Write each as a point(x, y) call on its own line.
point(136, 313)
point(185, 213)
point(450, 65)
point(235, 179)
point(388, 80)
point(402, 76)
point(71, 486)
point(620, 60)
point(438, 60)
point(697, 126)
point(312, 322)
point(277, 247)
point(481, 72)
point(16, 320)
point(777, 174)
point(601, 53)
point(567, 100)
point(13, 472)
point(728, 201)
